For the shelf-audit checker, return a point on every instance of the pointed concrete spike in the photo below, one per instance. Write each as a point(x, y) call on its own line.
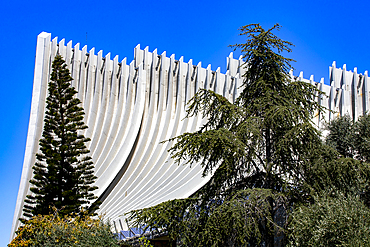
point(355, 70)
point(322, 80)
point(333, 65)
point(44, 34)
point(311, 78)
point(301, 74)
point(199, 64)
point(344, 66)
point(84, 51)
point(61, 43)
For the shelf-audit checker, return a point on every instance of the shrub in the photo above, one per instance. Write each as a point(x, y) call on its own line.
point(331, 221)
point(56, 230)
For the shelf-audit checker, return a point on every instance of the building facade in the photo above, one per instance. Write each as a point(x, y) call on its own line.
point(132, 107)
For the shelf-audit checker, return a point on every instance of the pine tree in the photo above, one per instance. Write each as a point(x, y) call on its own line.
point(63, 174)
point(259, 150)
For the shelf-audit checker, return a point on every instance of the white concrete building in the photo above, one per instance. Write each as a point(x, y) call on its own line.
point(130, 108)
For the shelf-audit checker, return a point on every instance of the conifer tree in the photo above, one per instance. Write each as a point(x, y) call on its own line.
point(258, 150)
point(63, 173)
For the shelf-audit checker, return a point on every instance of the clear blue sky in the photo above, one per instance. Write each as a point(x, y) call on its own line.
point(322, 31)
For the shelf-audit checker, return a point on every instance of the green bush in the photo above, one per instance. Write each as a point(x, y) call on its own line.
point(55, 230)
point(331, 221)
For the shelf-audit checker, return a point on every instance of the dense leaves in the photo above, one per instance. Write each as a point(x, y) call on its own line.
point(337, 213)
point(361, 133)
point(349, 138)
point(340, 135)
point(333, 220)
point(57, 230)
point(63, 174)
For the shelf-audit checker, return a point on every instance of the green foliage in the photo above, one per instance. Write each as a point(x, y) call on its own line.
point(63, 174)
point(258, 151)
point(361, 133)
point(335, 220)
point(67, 230)
point(340, 135)
point(349, 138)
point(347, 175)
point(248, 213)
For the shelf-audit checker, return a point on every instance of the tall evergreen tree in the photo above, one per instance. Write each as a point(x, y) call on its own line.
point(258, 150)
point(63, 174)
